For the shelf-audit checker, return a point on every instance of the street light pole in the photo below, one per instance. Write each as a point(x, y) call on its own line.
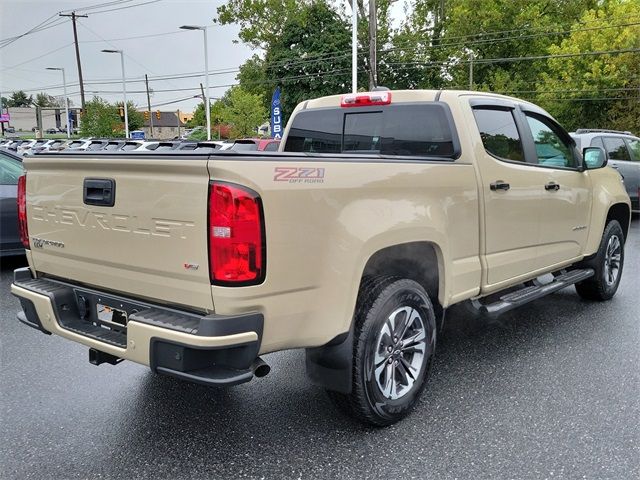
point(124, 91)
point(354, 46)
point(66, 99)
point(207, 107)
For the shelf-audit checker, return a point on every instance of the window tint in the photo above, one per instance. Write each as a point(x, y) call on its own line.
point(244, 147)
point(272, 147)
point(499, 133)
point(634, 149)
point(551, 149)
point(410, 130)
point(616, 148)
point(597, 142)
point(317, 131)
point(10, 170)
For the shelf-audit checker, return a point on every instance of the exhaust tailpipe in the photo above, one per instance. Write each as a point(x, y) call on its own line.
point(260, 368)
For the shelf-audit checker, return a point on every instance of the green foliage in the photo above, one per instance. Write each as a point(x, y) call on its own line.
point(46, 100)
point(615, 77)
point(19, 99)
point(306, 50)
point(102, 119)
point(262, 22)
point(244, 112)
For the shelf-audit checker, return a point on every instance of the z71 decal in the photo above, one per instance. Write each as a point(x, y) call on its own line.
point(298, 175)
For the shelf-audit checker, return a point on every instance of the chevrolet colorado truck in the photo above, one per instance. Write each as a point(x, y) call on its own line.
point(380, 211)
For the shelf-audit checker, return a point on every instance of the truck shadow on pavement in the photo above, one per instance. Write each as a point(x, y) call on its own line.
point(487, 361)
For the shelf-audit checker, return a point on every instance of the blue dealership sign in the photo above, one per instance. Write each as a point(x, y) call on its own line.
point(137, 135)
point(276, 115)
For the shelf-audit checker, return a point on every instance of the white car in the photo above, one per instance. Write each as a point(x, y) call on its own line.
point(139, 146)
point(25, 146)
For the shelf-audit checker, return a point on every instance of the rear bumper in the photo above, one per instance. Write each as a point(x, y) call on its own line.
point(206, 349)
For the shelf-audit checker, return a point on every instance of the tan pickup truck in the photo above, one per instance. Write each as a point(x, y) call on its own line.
point(381, 210)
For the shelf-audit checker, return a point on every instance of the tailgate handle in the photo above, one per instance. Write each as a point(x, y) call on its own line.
point(99, 191)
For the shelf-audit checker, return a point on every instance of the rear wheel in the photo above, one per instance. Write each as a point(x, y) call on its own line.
point(607, 264)
point(394, 343)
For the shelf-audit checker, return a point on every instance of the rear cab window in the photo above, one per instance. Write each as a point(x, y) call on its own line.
point(405, 129)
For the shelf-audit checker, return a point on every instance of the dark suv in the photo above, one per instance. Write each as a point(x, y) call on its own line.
point(623, 151)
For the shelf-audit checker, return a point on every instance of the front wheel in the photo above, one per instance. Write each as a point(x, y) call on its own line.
point(607, 264)
point(394, 344)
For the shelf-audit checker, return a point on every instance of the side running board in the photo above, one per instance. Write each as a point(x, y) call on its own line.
point(529, 293)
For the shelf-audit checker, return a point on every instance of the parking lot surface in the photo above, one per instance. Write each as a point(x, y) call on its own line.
point(551, 390)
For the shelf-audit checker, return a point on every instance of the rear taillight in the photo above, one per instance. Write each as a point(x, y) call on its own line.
point(236, 235)
point(366, 99)
point(22, 210)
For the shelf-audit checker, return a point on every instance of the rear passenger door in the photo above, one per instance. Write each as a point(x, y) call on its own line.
point(563, 191)
point(511, 189)
point(620, 159)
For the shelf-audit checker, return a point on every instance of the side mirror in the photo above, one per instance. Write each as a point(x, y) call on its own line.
point(594, 157)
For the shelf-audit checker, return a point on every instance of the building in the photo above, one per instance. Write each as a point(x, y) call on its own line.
point(166, 125)
point(24, 119)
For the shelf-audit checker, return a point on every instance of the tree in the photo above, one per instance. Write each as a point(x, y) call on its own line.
point(261, 23)
point(244, 112)
point(136, 118)
point(20, 99)
point(308, 59)
point(597, 91)
point(102, 119)
point(46, 100)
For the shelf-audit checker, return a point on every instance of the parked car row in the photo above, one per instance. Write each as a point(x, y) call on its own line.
point(623, 152)
point(31, 146)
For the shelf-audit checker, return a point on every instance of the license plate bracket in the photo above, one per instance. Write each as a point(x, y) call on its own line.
point(111, 316)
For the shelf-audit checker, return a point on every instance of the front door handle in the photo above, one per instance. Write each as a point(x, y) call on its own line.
point(500, 185)
point(552, 186)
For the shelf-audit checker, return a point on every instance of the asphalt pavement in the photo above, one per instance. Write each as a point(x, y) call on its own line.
point(549, 391)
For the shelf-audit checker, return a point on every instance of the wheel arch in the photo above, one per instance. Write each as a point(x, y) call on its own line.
point(331, 365)
point(622, 213)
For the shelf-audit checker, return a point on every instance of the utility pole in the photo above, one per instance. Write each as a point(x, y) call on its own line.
point(373, 39)
point(1, 112)
point(75, 39)
point(146, 81)
point(470, 70)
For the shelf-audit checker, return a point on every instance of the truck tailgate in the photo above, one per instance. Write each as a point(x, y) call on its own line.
point(152, 243)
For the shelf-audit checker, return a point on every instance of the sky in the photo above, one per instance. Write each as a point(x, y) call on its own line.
point(172, 52)
point(164, 50)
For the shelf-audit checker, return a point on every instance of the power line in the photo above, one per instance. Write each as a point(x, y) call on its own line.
point(38, 57)
point(125, 7)
point(44, 25)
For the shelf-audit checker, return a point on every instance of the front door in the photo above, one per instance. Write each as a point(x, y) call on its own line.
point(564, 195)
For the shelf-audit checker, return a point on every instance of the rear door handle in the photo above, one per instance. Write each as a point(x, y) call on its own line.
point(553, 186)
point(500, 185)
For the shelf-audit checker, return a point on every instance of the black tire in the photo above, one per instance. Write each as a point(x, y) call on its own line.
point(600, 287)
point(383, 302)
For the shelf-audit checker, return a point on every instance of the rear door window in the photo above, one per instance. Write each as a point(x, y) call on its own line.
point(616, 148)
point(272, 147)
point(634, 148)
point(396, 130)
point(244, 147)
point(499, 133)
